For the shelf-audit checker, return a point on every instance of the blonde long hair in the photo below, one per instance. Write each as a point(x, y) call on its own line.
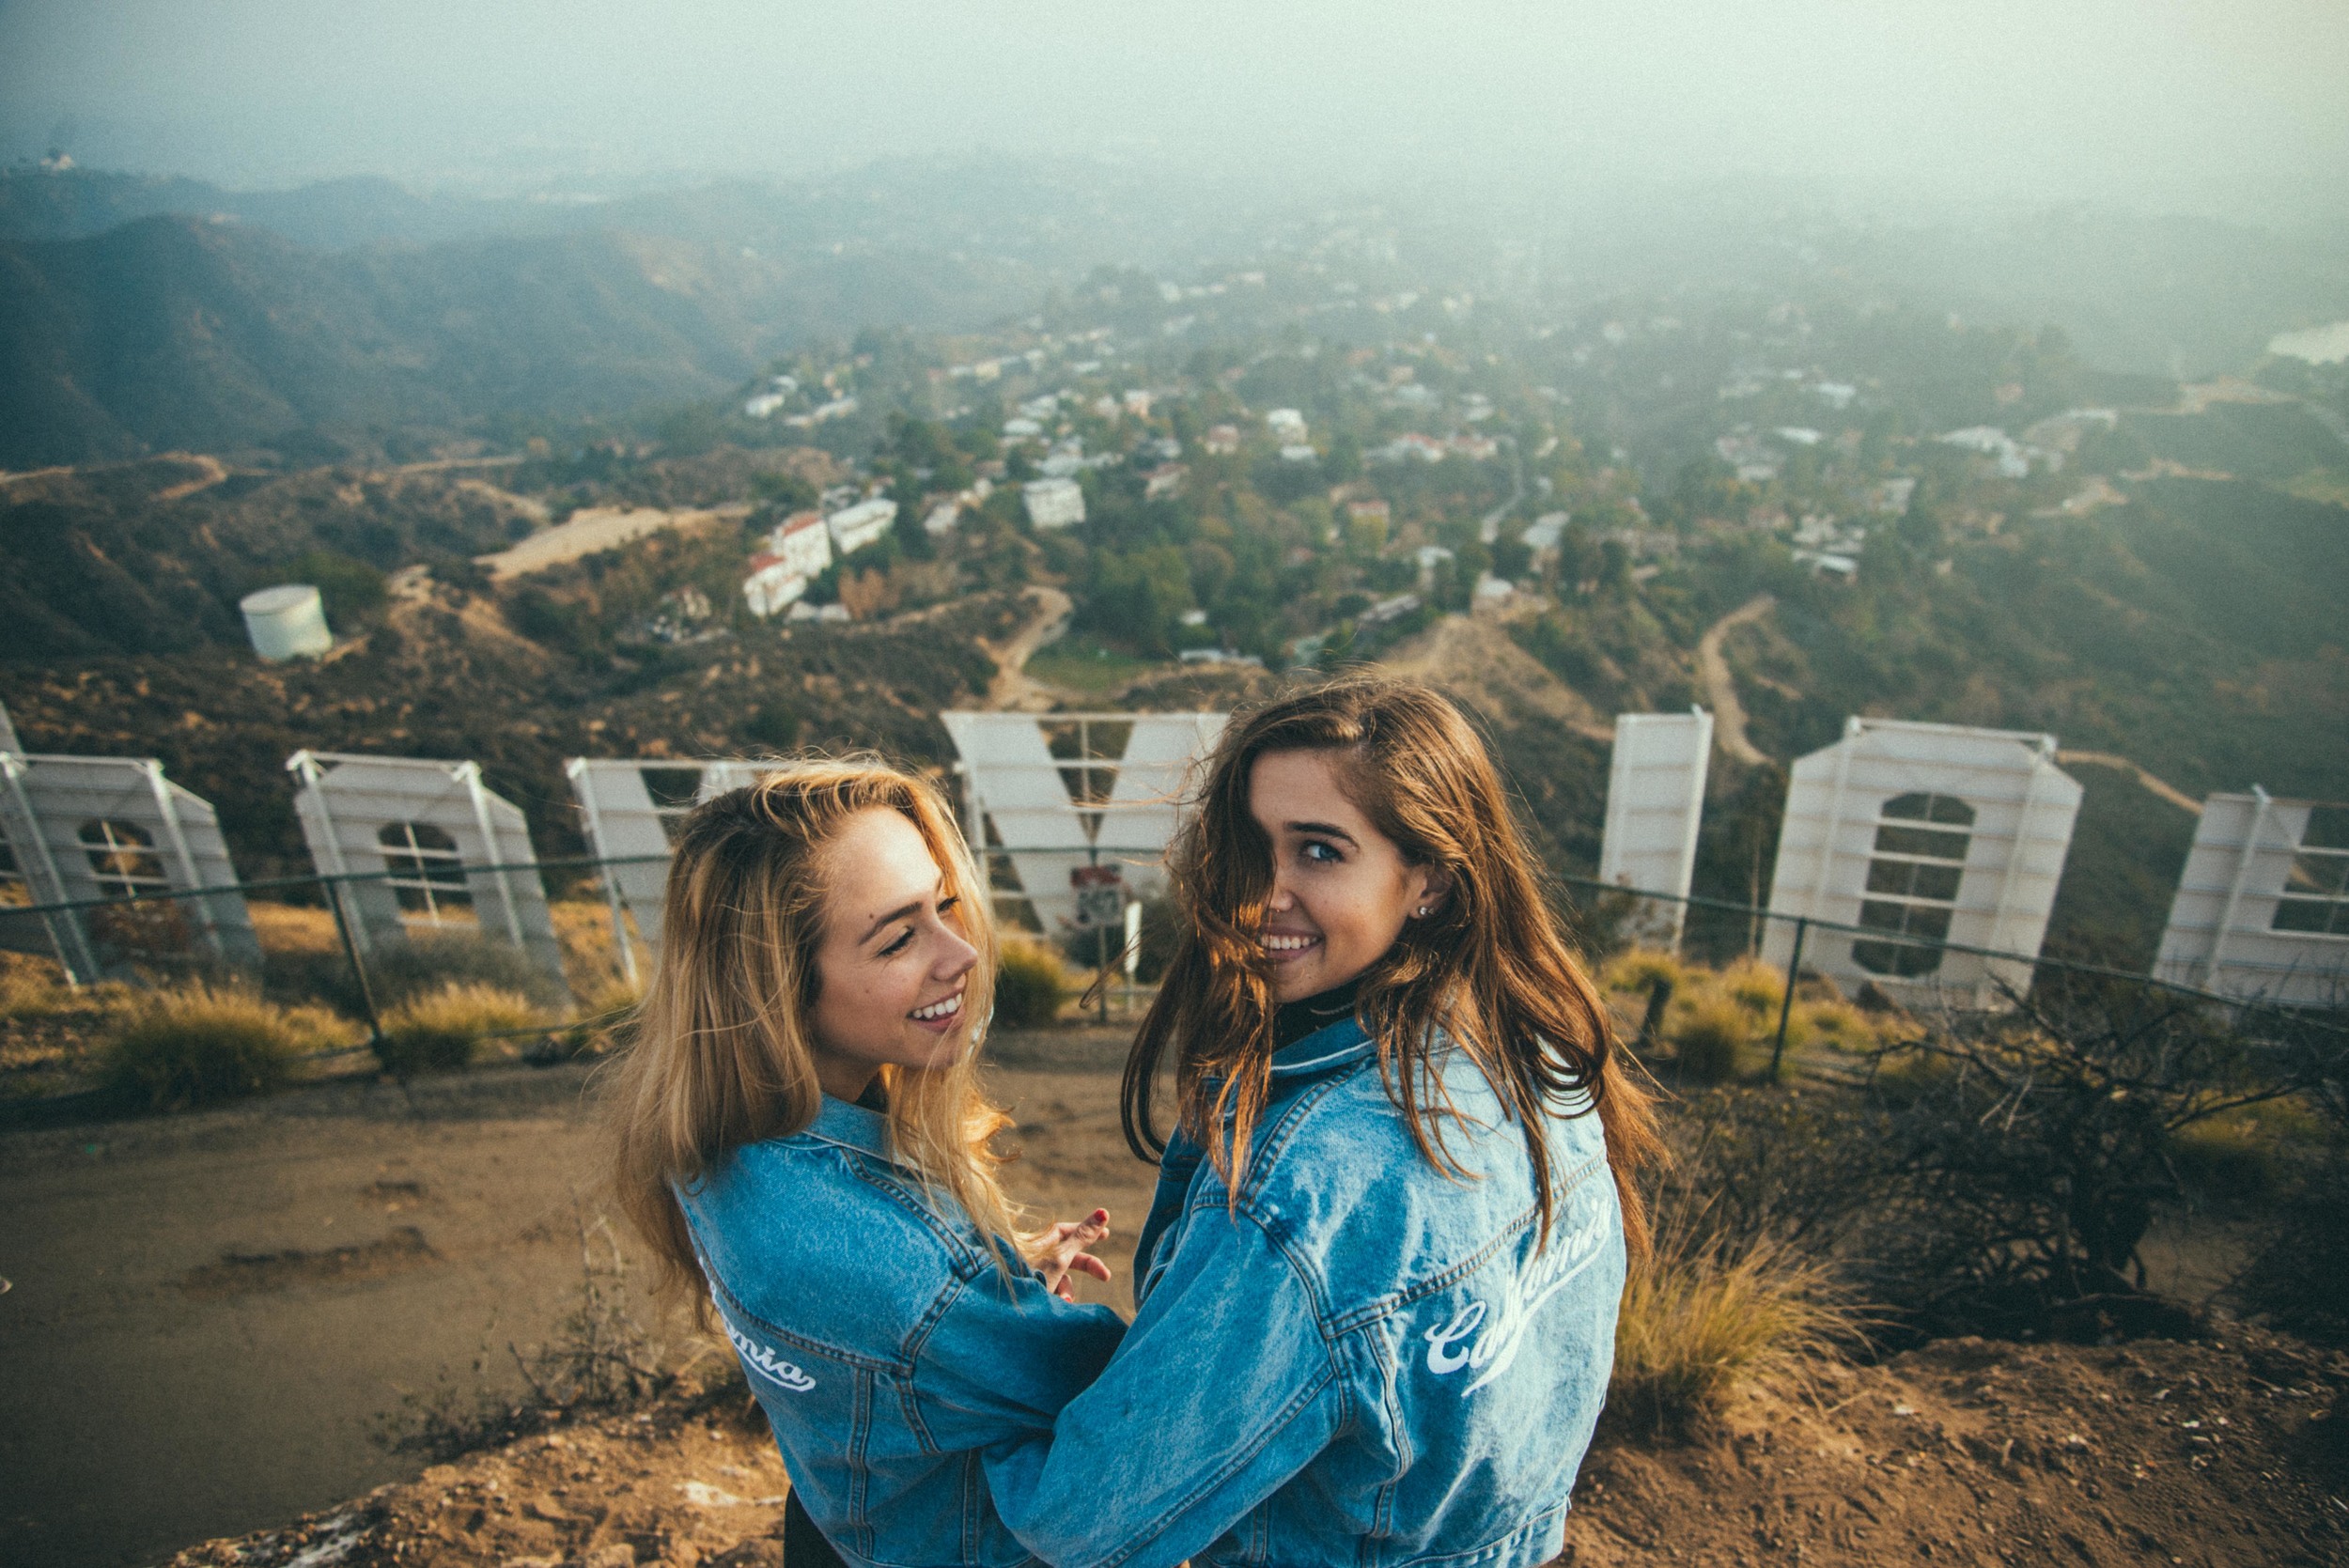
point(722, 1055)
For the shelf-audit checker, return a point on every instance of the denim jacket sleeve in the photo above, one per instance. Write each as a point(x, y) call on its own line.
point(1176, 1441)
point(1002, 1356)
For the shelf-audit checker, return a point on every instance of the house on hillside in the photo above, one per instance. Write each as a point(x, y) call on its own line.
point(1410, 445)
point(1542, 534)
point(802, 542)
point(1220, 440)
point(862, 524)
point(1054, 503)
point(771, 585)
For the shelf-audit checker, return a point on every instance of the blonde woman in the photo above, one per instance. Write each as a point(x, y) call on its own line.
point(801, 1139)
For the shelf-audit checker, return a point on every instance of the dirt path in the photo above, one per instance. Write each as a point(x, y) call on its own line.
point(1721, 688)
point(211, 1315)
point(2177, 798)
point(598, 528)
point(1472, 658)
point(212, 474)
point(1012, 690)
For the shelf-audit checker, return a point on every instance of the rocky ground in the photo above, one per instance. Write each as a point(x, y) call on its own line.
point(1966, 1451)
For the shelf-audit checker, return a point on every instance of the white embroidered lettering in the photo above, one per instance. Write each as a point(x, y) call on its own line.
point(769, 1362)
point(1504, 1327)
point(1441, 1356)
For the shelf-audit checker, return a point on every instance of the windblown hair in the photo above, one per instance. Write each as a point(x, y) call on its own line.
point(722, 1053)
point(1490, 970)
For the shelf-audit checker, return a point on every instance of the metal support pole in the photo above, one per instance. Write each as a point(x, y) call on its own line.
point(1786, 1002)
point(350, 951)
point(1101, 950)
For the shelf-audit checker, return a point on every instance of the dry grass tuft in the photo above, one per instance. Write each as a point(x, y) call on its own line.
point(199, 1044)
point(1698, 1323)
point(1639, 969)
point(438, 1031)
point(1755, 985)
point(1712, 1038)
point(1029, 985)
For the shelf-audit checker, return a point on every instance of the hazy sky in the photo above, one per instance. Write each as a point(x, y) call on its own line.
point(2191, 103)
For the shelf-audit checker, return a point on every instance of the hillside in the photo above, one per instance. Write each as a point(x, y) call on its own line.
point(174, 332)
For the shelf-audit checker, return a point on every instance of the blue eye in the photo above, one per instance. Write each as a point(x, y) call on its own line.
point(1320, 853)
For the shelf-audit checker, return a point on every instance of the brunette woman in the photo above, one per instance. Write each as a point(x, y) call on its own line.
point(801, 1139)
point(1378, 1288)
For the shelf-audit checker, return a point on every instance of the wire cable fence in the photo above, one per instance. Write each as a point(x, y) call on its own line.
point(1908, 969)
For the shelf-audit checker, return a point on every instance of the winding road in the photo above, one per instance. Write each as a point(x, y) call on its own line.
point(1012, 691)
point(1721, 688)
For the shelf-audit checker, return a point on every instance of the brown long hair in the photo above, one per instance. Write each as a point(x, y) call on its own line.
point(1490, 970)
point(721, 1056)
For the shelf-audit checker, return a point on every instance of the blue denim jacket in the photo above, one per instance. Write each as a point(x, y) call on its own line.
point(1370, 1364)
point(886, 1348)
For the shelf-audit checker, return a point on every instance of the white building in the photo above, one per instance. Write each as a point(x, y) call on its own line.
point(802, 542)
point(1654, 802)
point(1990, 442)
point(2262, 904)
point(1542, 534)
point(1298, 453)
point(943, 518)
point(1933, 832)
point(1054, 503)
point(862, 524)
point(771, 585)
point(764, 405)
point(1288, 426)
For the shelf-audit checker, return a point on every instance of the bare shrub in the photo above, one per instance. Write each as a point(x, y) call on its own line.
point(600, 1360)
point(2029, 1150)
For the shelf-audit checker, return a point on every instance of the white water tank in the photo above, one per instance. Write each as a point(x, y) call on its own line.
point(286, 621)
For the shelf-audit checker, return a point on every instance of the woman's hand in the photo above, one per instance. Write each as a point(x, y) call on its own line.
point(1060, 1251)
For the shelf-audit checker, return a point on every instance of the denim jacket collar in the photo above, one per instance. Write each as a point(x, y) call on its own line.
point(852, 1126)
point(1324, 1049)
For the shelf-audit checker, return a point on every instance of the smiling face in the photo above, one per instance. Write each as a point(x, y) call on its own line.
point(1341, 891)
point(894, 964)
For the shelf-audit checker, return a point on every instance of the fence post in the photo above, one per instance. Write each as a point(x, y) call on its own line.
point(351, 952)
point(1786, 1002)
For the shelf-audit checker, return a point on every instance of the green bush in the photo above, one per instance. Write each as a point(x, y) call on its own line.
point(201, 1045)
point(1029, 986)
point(438, 1031)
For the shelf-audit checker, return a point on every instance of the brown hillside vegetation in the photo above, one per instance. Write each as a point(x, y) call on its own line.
point(1966, 1451)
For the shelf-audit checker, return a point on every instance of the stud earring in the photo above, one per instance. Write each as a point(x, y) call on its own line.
point(1423, 911)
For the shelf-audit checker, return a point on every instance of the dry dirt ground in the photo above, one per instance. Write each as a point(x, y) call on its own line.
point(213, 1316)
point(1964, 1453)
point(209, 1311)
point(1957, 1453)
